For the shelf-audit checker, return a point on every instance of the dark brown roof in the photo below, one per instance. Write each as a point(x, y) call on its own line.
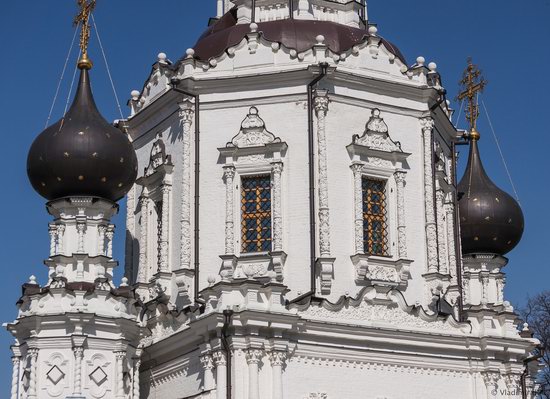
point(299, 35)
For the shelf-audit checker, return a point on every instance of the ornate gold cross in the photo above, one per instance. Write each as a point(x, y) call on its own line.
point(472, 83)
point(83, 19)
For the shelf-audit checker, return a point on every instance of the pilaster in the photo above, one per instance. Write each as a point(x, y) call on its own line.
point(325, 263)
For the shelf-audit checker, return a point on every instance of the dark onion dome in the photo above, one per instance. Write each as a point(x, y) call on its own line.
point(82, 154)
point(491, 221)
point(296, 34)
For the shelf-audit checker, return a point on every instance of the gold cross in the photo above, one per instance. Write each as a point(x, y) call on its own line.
point(472, 83)
point(83, 18)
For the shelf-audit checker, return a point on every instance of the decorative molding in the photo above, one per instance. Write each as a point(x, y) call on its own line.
point(396, 314)
point(187, 112)
point(144, 239)
point(355, 363)
point(276, 188)
point(399, 177)
point(357, 169)
point(16, 363)
point(229, 175)
point(441, 231)
point(376, 136)
point(130, 234)
point(451, 245)
point(431, 230)
point(253, 132)
point(164, 238)
point(317, 395)
point(157, 157)
point(321, 101)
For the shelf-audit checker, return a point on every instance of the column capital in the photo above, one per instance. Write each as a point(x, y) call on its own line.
point(320, 100)
point(277, 358)
point(229, 171)
point(253, 356)
point(427, 123)
point(356, 167)
point(220, 358)
point(277, 166)
point(207, 361)
point(187, 111)
point(400, 176)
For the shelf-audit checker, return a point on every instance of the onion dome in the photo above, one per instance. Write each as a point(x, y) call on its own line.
point(491, 221)
point(299, 35)
point(82, 154)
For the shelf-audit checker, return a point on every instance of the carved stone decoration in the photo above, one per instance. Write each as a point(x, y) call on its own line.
point(376, 135)
point(157, 157)
point(389, 310)
point(110, 233)
point(187, 113)
point(491, 380)
point(81, 228)
point(229, 175)
point(431, 233)
point(451, 245)
point(442, 248)
point(277, 360)
point(143, 250)
point(207, 362)
point(135, 380)
point(253, 132)
point(321, 107)
point(499, 280)
point(165, 228)
point(130, 232)
point(60, 239)
point(401, 226)
point(120, 358)
point(16, 362)
point(317, 395)
point(358, 207)
point(253, 358)
point(52, 230)
point(276, 172)
point(325, 264)
point(56, 375)
point(33, 359)
point(78, 356)
point(220, 360)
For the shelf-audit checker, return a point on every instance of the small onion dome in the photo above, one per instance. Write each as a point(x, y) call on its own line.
point(82, 154)
point(491, 221)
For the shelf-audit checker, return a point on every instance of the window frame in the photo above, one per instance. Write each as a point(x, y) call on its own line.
point(385, 218)
point(242, 218)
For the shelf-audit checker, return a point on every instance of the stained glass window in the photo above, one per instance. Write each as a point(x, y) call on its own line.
point(256, 213)
point(375, 232)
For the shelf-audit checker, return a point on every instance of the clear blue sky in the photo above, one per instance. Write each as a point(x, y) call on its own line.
point(508, 39)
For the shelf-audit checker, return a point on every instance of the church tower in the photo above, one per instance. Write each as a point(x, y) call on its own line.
point(77, 335)
point(294, 227)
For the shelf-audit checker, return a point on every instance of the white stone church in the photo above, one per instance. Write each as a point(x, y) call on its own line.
point(295, 228)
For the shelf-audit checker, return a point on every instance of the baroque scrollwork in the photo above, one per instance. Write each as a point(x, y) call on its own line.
point(253, 132)
point(157, 157)
point(376, 135)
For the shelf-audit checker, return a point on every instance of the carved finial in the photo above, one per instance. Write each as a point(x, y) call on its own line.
point(472, 83)
point(83, 19)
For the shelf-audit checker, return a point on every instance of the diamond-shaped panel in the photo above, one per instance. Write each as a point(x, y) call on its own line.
point(55, 375)
point(98, 376)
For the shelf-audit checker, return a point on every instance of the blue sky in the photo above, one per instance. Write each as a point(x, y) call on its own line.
point(509, 41)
